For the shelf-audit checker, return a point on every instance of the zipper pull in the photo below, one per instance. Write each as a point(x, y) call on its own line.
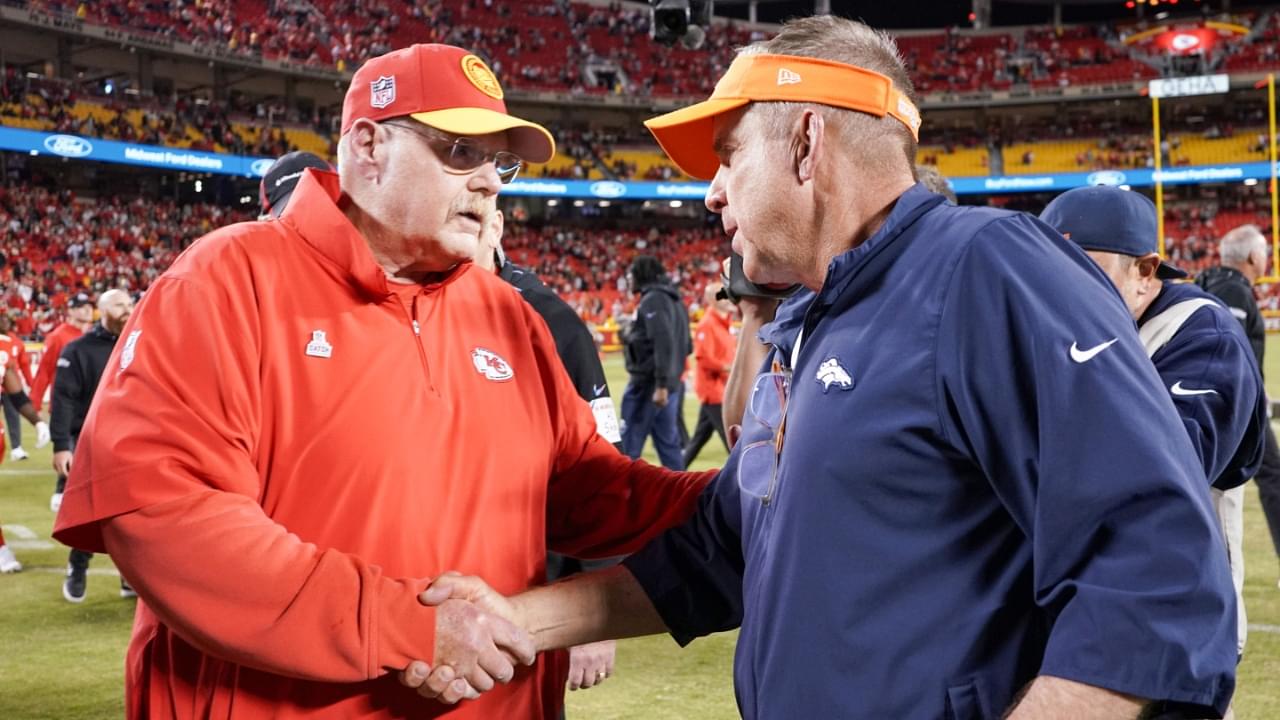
point(416, 329)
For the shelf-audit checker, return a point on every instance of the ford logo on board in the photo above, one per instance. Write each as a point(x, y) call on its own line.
point(1106, 177)
point(260, 167)
point(68, 145)
point(608, 189)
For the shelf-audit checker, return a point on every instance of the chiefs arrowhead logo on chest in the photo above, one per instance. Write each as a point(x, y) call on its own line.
point(491, 365)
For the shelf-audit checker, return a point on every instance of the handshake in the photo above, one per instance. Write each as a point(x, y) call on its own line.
point(481, 639)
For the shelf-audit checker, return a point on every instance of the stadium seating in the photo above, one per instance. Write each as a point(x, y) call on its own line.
point(547, 46)
point(955, 162)
point(56, 244)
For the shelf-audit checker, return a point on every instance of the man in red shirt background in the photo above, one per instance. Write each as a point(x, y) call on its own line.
point(79, 320)
point(11, 350)
point(22, 363)
point(713, 348)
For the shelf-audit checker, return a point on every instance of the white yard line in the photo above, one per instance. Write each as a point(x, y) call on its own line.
point(22, 532)
point(63, 570)
point(31, 544)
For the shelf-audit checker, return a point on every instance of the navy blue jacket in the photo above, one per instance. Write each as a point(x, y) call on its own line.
point(1210, 372)
point(658, 342)
point(961, 502)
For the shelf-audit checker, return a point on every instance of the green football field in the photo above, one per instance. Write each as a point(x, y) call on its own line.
point(64, 661)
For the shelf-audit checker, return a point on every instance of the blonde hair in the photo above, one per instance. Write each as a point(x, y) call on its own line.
point(826, 37)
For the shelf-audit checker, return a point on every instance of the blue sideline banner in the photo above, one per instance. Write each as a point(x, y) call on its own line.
point(76, 147)
point(1059, 182)
point(179, 159)
point(1002, 185)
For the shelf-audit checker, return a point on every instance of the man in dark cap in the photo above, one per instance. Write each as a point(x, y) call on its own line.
point(79, 319)
point(282, 177)
point(1197, 346)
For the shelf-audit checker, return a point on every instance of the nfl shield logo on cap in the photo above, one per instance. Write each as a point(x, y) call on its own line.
point(383, 91)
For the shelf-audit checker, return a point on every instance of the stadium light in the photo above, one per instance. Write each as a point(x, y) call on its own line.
point(1251, 181)
point(553, 202)
point(677, 204)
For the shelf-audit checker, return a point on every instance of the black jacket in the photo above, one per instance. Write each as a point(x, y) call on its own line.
point(79, 369)
point(1235, 290)
point(577, 351)
point(574, 344)
point(659, 341)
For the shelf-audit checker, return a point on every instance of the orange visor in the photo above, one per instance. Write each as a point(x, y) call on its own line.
point(686, 134)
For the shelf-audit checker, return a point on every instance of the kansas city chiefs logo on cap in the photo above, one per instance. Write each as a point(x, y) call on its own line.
point(481, 76)
point(382, 92)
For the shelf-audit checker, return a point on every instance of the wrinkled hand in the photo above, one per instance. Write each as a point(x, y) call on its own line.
point(477, 642)
point(591, 664)
point(457, 689)
point(62, 462)
point(661, 396)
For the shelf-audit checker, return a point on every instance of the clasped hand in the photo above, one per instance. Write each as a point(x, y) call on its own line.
point(480, 639)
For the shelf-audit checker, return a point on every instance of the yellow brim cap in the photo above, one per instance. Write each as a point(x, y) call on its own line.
point(532, 142)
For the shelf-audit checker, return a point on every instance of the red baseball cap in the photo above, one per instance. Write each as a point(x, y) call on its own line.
point(445, 87)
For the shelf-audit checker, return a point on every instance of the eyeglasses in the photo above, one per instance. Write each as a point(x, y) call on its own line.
point(758, 464)
point(465, 154)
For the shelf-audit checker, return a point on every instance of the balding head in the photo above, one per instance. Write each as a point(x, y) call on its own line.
point(1245, 249)
point(115, 306)
point(111, 296)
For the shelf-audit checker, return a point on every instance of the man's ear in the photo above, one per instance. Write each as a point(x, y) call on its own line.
point(362, 140)
point(806, 146)
point(1147, 265)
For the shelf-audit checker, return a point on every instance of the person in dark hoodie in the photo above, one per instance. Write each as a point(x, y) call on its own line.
point(79, 369)
point(1244, 259)
point(656, 346)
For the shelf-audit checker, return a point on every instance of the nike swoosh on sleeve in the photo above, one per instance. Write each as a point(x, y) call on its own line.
point(1177, 389)
point(1084, 356)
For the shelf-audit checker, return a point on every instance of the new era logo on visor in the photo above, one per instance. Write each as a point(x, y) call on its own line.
point(788, 77)
point(908, 111)
point(382, 92)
